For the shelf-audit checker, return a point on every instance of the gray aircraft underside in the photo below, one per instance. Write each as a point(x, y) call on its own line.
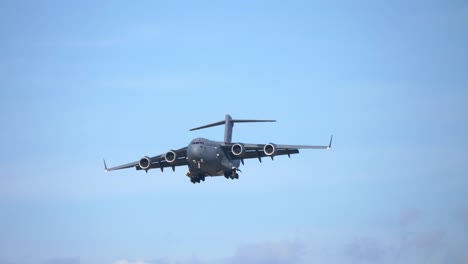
point(205, 157)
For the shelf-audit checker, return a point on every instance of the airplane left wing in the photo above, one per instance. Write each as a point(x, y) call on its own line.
point(171, 159)
point(248, 151)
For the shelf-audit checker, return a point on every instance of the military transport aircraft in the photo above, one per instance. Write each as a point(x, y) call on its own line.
point(213, 158)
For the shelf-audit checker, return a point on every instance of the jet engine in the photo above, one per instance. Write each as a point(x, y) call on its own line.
point(238, 149)
point(145, 163)
point(170, 156)
point(270, 149)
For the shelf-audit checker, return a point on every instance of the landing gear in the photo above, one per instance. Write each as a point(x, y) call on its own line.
point(232, 174)
point(197, 179)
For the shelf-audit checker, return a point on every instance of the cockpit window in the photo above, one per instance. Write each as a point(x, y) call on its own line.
point(198, 142)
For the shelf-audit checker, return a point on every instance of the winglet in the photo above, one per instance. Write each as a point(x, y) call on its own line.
point(329, 144)
point(105, 165)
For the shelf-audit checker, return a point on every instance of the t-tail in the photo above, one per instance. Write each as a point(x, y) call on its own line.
point(229, 124)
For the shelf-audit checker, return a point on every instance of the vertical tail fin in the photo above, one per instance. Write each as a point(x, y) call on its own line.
point(229, 124)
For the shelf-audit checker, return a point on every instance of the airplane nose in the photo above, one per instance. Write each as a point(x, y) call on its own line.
point(196, 152)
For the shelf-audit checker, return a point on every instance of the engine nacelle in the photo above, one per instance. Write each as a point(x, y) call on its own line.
point(270, 149)
point(238, 149)
point(170, 156)
point(145, 163)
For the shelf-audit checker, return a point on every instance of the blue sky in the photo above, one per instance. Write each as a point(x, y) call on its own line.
point(108, 79)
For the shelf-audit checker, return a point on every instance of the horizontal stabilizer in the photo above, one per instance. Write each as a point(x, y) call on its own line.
point(231, 121)
point(210, 125)
point(228, 125)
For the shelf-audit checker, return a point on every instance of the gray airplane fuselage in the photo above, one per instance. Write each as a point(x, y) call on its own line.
point(207, 158)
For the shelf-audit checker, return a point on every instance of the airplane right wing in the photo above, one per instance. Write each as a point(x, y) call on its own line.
point(171, 159)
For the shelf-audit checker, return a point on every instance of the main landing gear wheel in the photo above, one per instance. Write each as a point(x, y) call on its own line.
point(195, 180)
point(232, 174)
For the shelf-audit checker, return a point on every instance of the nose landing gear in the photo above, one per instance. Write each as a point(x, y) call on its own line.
point(196, 179)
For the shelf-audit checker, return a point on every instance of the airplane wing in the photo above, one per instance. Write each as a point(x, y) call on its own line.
point(158, 161)
point(258, 150)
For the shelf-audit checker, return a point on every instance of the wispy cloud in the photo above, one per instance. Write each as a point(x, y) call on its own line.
point(366, 249)
point(283, 252)
point(63, 261)
point(423, 245)
point(268, 253)
point(407, 244)
point(408, 216)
